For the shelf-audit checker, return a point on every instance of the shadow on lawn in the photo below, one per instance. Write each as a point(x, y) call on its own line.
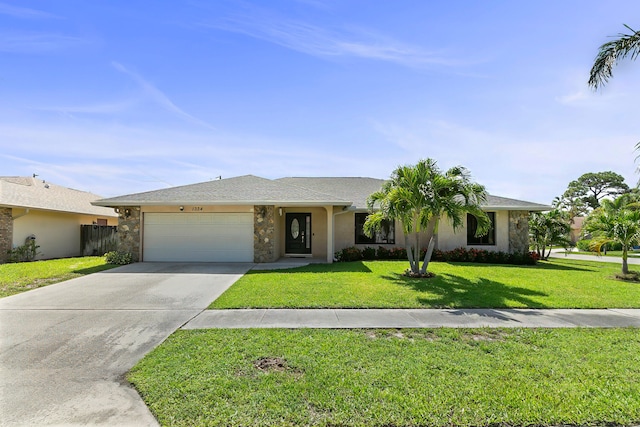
point(96, 269)
point(336, 267)
point(541, 265)
point(453, 291)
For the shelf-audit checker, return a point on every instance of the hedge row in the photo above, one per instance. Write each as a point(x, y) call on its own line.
point(457, 255)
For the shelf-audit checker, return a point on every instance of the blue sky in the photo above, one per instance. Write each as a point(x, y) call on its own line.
point(117, 97)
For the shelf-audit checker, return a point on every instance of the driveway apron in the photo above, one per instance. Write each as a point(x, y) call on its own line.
point(65, 348)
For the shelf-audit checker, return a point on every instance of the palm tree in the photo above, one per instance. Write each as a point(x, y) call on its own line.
point(615, 221)
point(626, 45)
point(549, 229)
point(418, 197)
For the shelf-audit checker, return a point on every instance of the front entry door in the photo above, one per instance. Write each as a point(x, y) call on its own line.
point(298, 232)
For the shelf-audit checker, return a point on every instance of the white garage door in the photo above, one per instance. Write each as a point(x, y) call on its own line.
point(198, 237)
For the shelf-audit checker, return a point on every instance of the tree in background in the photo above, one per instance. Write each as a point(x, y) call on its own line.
point(610, 53)
point(548, 229)
point(573, 206)
point(586, 192)
point(418, 197)
point(616, 221)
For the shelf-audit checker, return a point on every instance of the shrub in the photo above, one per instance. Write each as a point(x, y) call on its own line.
point(382, 253)
point(24, 253)
point(118, 258)
point(455, 255)
point(368, 253)
point(398, 253)
point(349, 254)
point(584, 245)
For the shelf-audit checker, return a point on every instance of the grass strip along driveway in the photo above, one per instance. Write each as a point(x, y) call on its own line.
point(557, 283)
point(24, 276)
point(408, 377)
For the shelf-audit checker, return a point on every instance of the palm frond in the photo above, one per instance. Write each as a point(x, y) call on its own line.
point(610, 53)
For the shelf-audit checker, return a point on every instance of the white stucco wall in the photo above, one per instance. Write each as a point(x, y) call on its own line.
point(448, 240)
point(57, 234)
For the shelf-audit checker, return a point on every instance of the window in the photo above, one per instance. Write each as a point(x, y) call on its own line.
point(385, 235)
point(472, 226)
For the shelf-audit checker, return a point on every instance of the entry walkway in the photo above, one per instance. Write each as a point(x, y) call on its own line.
point(415, 318)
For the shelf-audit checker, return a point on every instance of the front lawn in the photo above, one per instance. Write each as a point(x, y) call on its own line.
point(24, 276)
point(558, 283)
point(437, 377)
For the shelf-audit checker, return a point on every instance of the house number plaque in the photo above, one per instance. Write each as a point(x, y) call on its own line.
point(196, 209)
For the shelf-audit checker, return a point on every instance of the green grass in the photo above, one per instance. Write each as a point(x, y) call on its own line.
point(24, 276)
point(441, 377)
point(557, 283)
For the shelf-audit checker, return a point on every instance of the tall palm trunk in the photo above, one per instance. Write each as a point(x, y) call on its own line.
point(431, 228)
point(427, 255)
point(412, 260)
point(625, 265)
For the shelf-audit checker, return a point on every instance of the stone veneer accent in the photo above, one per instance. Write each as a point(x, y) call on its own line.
point(264, 235)
point(129, 231)
point(518, 231)
point(6, 233)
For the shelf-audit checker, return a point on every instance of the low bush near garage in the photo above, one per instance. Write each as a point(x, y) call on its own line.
point(118, 258)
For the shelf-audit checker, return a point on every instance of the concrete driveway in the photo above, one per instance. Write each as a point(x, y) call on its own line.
point(65, 348)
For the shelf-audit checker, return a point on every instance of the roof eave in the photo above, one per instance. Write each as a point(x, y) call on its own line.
point(75, 212)
point(517, 208)
point(113, 204)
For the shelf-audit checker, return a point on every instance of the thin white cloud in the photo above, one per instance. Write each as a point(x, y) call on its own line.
point(522, 164)
point(317, 41)
point(37, 42)
point(159, 97)
point(25, 13)
point(111, 160)
point(104, 108)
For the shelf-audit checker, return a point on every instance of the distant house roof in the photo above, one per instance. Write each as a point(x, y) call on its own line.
point(242, 190)
point(291, 191)
point(31, 193)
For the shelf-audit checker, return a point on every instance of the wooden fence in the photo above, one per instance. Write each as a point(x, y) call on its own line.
point(98, 239)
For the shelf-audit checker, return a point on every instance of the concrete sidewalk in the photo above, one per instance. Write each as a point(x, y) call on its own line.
point(415, 318)
point(632, 260)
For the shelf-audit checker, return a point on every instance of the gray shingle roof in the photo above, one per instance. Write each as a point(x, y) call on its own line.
point(354, 189)
point(358, 189)
point(249, 190)
point(242, 190)
point(28, 192)
point(503, 203)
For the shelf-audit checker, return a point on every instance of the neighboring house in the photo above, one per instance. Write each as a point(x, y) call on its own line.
point(253, 219)
point(51, 213)
point(577, 223)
